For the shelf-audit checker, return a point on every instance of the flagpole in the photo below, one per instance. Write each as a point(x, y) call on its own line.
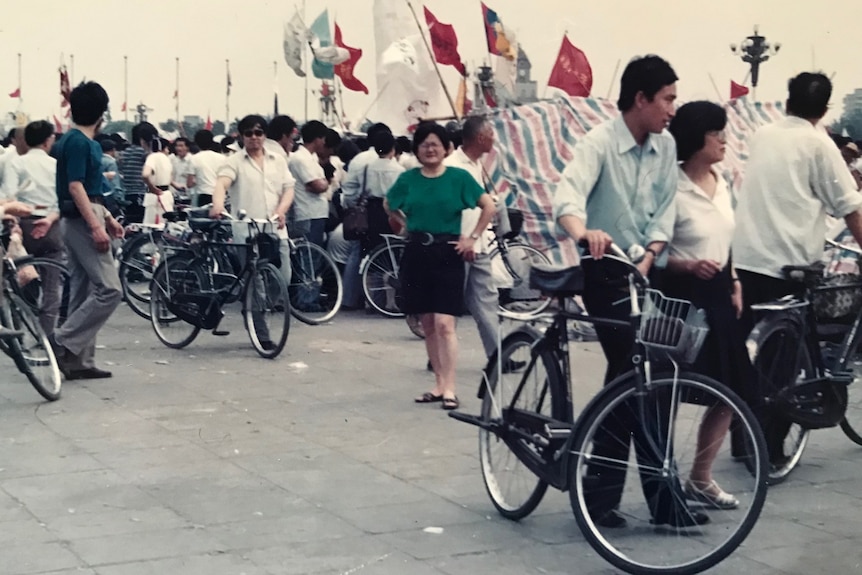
point(177, 95)
point(434, 61)
point(341, 101)
point(275, 87)
point(20, 90)
point(126, 86)
point(227, 98)
point(306, 66)
point(72, 70)
point(613, 80)
point(714, 85)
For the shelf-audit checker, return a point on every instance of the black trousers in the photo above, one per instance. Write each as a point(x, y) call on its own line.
point(606, 296)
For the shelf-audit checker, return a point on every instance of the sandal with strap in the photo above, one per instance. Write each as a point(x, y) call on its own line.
point(450, 403)
point(428, 397)
point(711, 495)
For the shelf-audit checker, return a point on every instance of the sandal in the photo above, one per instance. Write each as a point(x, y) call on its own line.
point(450, 403)
point(428, 397)
point(710, 494)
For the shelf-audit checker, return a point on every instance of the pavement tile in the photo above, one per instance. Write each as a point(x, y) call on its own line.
point(144, 545)
point(304, 522)
point(27, 558)
point(456, 539)
point(210, 564)
point(115, 521)
point(346, 555)
point(407, 516)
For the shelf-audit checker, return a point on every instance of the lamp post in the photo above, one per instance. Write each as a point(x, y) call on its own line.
point(754, 51)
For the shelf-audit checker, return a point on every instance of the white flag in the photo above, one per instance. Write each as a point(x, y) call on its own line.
point(506, 70)
point(334, 55)
point(296, 36)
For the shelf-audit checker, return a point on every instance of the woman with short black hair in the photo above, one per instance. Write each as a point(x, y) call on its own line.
point(431, 199)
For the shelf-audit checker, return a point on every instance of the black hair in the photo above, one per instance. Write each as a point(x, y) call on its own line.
point(648, 75)
point(424, 130)
point(88, 101)
point(37, 133)
point(347, 151)
point(107, 145)
point(808, 95)
point(312, 130)
point(144, 131)
point(204, 140)
point(383, 143)
point(11, 135)
point(403, 144)
point(333, 140)
point(182, 139)
point(691, 123)
point(279, 127)
point(472, 127)
point(378, 127)
point(249, 122)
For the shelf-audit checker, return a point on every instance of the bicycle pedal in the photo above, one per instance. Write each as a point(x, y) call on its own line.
point(558, 430)
point(220, 332)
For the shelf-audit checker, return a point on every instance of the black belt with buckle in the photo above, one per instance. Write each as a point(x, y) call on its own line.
point(427, 239)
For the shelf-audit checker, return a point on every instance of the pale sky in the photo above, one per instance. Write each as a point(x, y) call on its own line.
point(693, 35)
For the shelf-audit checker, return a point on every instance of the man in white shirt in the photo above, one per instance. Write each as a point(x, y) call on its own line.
point(312, 208)
point(795, 177)
point(31, 180)
point(204, 169)
point(181, 165)
point(279, 136)
point(259, 183)
point(17, 148)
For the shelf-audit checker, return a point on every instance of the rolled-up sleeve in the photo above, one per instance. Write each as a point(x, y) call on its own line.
point(833, 183)
point(660, 226)
point(577, 181)
point(230, 168)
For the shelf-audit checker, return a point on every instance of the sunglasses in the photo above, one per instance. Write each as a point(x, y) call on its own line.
point(249, 133)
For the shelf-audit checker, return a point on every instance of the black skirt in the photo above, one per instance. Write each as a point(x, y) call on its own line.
point(724, 355)
point(432, 279)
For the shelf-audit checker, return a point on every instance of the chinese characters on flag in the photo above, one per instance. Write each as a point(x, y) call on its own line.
point(572, 72)
point(345, 69)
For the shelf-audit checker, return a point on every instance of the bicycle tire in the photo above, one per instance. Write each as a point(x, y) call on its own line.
point(32, 293)
point(32, 350)
point(499, 480)
point(664, 407)
point(137, 265)
point(190, 278)
point(851, 425)
point(381, 281)
point(321, 283)
point(519, 297)
point(267, 281)
point(414, 324)
point(762, 334)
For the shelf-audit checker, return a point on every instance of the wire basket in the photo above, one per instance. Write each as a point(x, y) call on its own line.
point(672, 328)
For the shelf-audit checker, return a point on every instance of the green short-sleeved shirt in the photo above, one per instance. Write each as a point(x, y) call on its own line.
point(79, 159)
point(434, 205)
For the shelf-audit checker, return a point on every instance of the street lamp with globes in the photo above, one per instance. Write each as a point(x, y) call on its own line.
point(754, 51)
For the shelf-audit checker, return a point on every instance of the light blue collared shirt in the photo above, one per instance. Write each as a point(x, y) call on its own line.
point(626, 190)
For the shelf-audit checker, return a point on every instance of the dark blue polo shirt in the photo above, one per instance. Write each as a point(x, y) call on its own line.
point(79, 159)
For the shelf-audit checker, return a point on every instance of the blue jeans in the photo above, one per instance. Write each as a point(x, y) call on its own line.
point(353, 296)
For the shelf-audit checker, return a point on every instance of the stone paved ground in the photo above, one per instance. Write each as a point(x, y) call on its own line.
point(211, 461)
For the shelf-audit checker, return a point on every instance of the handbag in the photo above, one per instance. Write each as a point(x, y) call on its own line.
point(355, 223)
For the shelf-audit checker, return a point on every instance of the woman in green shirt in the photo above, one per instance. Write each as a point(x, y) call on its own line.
point(431, 199)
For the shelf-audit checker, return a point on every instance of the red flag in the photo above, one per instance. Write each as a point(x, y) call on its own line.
point(209, 124)
point(444, 42)
point(65, 88)
point(572, 72)
point(123, 108)
point(16, 93)
point(58, 125)
point(737, 90)
point(345, 69)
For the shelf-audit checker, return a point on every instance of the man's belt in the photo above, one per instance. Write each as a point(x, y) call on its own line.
point(427, 239)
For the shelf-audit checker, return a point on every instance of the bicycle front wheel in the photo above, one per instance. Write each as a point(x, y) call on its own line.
point(315, 288)
point(516, 295)
point(381, 279)
point(39, 363)
point(141, 256)
point(175, 277)
point(43, 286)
point(267, 311)
point(678, 426)
point(504, 450)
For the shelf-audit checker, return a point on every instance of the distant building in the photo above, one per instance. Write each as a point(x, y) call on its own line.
point(526, 90)
point(853, 102)
point(193, 120)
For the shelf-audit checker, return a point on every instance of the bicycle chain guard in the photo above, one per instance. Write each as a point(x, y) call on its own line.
point(203, 311)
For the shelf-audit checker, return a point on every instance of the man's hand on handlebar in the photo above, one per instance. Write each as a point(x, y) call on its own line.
point(597, 241)
point(216, 211)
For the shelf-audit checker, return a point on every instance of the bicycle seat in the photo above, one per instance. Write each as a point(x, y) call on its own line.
point(557, 281)
point(803, 273)
point(175, 216)
point(204, 224)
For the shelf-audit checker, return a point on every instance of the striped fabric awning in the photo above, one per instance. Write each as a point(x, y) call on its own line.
point(534, 144)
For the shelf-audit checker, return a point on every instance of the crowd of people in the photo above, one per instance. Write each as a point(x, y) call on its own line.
point(646, 178)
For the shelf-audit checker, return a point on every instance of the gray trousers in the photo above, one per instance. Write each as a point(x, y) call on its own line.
point(51, 247)
point(481, 298)
point(95, 290)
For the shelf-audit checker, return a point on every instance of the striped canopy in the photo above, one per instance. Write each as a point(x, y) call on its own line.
point(534, 144)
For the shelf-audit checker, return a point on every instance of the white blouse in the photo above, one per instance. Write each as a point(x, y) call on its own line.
point(704, 226)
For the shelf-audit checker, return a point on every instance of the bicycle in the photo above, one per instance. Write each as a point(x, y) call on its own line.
point(803, 359)
point(189, 289)
point(25, 342)
point(315, 287)
point(529, 438)
point(381, 270)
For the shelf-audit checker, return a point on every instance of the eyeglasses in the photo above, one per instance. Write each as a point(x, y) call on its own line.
point(720, 134)
point(257, 133)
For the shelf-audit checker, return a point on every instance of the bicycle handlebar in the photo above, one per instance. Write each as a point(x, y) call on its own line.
point(616, 253)
point(835, 244)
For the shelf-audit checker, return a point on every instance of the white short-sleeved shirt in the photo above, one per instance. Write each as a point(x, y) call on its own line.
point(256, 190)
point(205, 166)
point(181, 167)
point(470, 216)
point(161, 168)
point(305, 168)
point(795, 177)
point(704, 226)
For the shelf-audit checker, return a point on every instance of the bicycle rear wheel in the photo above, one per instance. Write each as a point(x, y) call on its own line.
point(518, 297)
point(664, 421)
point(267, 311)
point(315, 288)
point(775, 350)
point(141, 256)
point(381, 279)
point(33, 289)
point(175, 276)
point(36, 359)
point(511, 484)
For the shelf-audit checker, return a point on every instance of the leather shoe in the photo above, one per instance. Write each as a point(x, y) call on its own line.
point(683, 518)
point(610, 519)
point(88, 373)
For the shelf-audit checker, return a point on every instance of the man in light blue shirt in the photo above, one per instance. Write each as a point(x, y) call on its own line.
point(620, 187)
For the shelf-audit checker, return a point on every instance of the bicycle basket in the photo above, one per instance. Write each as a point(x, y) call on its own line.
point(269, 248)
point(672, 328)
point(837, 296)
